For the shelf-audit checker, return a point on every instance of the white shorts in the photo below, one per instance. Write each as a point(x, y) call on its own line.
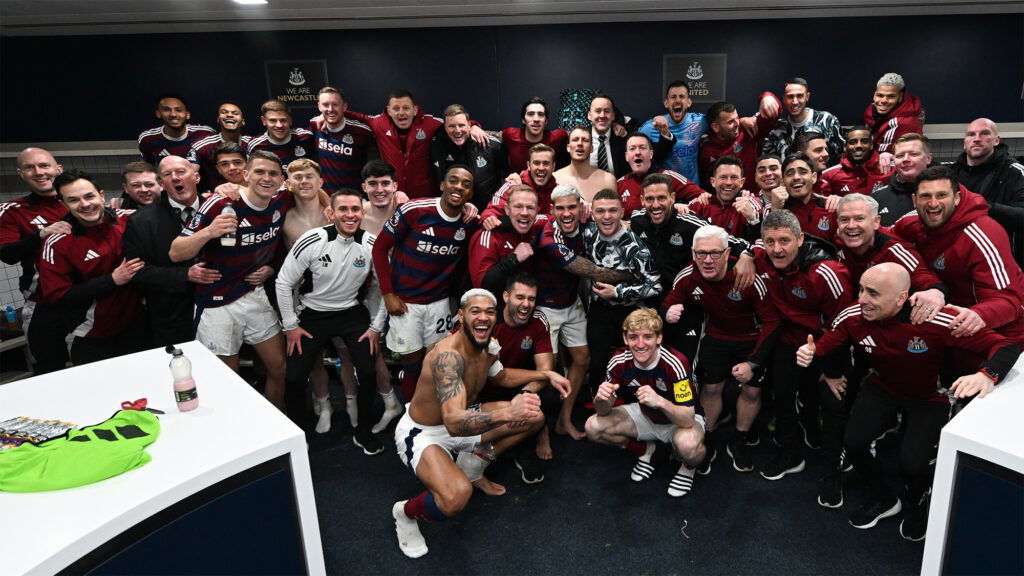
point(420, 326)
point(569, 324)
point(647, 430)
point(411, 439)
point(250, 319)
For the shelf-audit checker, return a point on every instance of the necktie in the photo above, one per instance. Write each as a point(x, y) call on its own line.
point(602, 153)
point(186, 215)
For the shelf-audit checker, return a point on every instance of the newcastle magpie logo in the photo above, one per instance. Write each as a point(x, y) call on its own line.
point(359, 262)
point(823, 224)
point(694, 72)
point(527, 343)
point(735, 295)
point(916, 345)
point(660, 385)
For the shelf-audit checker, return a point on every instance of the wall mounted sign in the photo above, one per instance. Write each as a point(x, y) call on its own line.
point(704, 73)
point(296, 82)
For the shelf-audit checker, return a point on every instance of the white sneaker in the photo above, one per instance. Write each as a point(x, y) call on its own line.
point(682, 482)
point(408, 530)
point(353, 411)
point(389, 415)
point(322, 408)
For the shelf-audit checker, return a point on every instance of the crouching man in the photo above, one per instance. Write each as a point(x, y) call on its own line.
point(659, 402)
point(442, 418)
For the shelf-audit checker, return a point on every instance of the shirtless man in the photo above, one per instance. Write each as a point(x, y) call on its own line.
point(580, 173)
point(439, 420)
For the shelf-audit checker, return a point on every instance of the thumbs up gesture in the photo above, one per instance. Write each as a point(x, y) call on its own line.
point(805, 354)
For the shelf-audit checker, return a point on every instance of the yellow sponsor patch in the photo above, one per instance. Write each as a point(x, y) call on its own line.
point(682, 391)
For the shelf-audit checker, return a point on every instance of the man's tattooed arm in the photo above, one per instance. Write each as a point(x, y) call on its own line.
point(583, 267)
point(448, 369)
point(477, 423)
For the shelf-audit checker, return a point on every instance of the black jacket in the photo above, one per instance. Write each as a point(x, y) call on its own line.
point(1000, 179)
point(617, 147)
point(894, 200)
point(489, 164)
point(671, 244)
point(169, 303)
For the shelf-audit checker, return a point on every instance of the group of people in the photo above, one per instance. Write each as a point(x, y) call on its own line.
point(832, 273)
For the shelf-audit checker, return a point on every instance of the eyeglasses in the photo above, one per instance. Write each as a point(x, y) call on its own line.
point(702, 254)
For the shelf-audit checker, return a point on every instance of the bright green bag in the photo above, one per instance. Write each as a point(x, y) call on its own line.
point(81, 457)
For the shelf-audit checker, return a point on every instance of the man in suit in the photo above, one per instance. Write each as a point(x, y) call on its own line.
point(166, 285)
point(610, 145)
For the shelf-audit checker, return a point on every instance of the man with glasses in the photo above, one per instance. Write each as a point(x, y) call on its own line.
point(740, 330)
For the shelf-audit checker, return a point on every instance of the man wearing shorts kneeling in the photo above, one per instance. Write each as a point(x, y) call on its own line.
point(659, 402)
point(441, 419)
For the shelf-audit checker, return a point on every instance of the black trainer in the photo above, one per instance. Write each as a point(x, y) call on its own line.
point(530, 468)
point(705, 465)
point(781, 466)
point(915, 522)
point(874, 510)
point(738, 450)
point(812, 433)
point(367, 441)
point(830, 490)
point(752, 438)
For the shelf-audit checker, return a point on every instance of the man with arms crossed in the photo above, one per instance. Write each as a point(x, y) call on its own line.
point(441, 419)
point(659, 401)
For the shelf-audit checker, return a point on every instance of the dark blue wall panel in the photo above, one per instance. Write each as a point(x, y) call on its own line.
point(103, 87)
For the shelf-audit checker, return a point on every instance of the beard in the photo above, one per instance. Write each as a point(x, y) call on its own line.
point(468, 331)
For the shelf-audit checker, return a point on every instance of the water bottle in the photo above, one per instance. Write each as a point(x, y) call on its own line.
point(11, 315)
point(184, 386)
point(228, 239)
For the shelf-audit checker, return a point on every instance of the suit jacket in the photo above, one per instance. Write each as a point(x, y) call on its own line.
point(169, 306)
point(617, 148)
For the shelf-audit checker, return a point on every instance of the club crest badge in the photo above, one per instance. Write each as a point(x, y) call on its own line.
point(824, 224)
point(421, 135)
point(676, 240)
point(940, 262)
point(460, 235)
point(527, 343)
point(347, 139)
point(916, 345)
point(300, 151)
point(734, 295)
point(660, 385)
point(481, 161)
point(799, 292)
point(359, 262)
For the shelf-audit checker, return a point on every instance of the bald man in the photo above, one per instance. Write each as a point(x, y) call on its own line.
point(986, 167)
point(24, 223)
point(906, 365)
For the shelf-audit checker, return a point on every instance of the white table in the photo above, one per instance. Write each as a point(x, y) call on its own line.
point(233, 430)
point(992, 429)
